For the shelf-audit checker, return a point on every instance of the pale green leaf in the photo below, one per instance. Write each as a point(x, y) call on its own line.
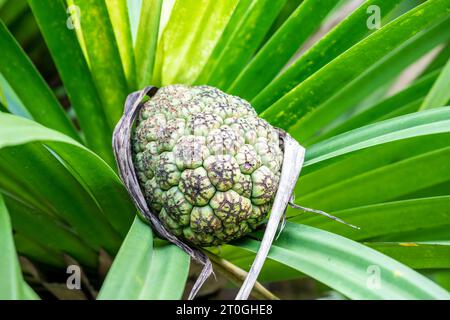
point(143, 271)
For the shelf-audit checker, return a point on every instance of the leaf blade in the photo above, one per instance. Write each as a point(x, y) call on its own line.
point(341, 38)
point(75, 74)
point(99, 179)
point(346, 266)
point(137, 271)
point(146, 40)
point(271, 58)
point(301, 100)
point(12, 284)
point(244, 42)
point(403, 127)
point(104, 57)
point(439, 94)
point(118, 14)
point(11, 276)
point(31, 87)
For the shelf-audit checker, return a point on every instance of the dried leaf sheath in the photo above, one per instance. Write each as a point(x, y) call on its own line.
point(122, 152)
point(294, 155)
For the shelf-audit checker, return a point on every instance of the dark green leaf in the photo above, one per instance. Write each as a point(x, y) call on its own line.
point(104, 57)
point(38, 252)
point(387, 69)
point(342, 37)
point(416, 255)
point(42, 228)
point(384, 219)
point(287, 111)
point(95, 175)
point(189, 37)
point(279, 49)
point(75, 74)
point(31, 88)
point(381, 110)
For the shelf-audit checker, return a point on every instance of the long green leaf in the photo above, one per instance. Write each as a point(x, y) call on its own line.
point(11, 280)
point(411, 125)
point(141, 271)
point(42, 228)
point(75, 74)
point(160, 282)
point(384, 219)
point(383, 184)
point(33, 175)
point(31, 87)
point(351, 268)
point(341, 38)
point(176, 38)
point(127, 275)
point(11, 275)
point(411, 94)
point(384, 71)
point(335, 170)
point(101, 181)
point(416, 255)
point(146, 40)
point(104, 57)
point(439, 94)
point(189, 37)
point(287, 111)
point(279, 49)
point(118, 14)
point(217, 14)
point(235, 19)
point(244, 42)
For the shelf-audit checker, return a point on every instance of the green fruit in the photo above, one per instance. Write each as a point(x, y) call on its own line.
point(208, 166)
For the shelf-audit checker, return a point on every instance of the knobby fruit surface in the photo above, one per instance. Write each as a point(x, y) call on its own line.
point(209, 167)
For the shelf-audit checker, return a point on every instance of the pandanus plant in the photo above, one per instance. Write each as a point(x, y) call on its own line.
point(361, 85)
